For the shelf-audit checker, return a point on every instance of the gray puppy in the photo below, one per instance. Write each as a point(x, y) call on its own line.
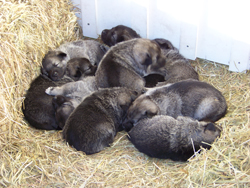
point(127, 62)
point(37, 106)
point(93, 125)
point(177, 67)
point(69, 96)
point(176, 139)
point(192, 98)
point(118, 34)
point(54, 63)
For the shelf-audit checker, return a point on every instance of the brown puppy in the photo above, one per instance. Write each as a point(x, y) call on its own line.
point(122, 33)
point(37, 106)
point(93, 125)
point(192, 98)
point(126, 63)
point(176, 139)
point(54, 63)
point(118, 34)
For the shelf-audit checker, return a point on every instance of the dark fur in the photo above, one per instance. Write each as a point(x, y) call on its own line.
point(166, 137)
point(126, 63)
point(80, 67)
point(93, 125)
point(63, 108)
point(118, 34)
point(192, 98)
point(37, 106)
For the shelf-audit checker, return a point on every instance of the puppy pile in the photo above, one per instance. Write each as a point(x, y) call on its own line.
point(145, 87)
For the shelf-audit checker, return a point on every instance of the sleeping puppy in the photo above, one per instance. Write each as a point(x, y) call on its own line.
point(93, 125)
point(125, 64)
point(69, 96)
point(177, 139)
point(177, 67)
point(54, 63)
point(37, 106)
point(192, 98)
point(118, 34)
point(78, 68)
point(122, 33)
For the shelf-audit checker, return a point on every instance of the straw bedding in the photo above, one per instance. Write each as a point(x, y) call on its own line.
point(37, 158)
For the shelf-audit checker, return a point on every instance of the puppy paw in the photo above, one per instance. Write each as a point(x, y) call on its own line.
point(49, 90)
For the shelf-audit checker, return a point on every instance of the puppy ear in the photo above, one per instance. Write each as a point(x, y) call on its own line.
point(210, 127)
point(58, 100)
point(148, 61)
point(104, 48)
point(61, 55)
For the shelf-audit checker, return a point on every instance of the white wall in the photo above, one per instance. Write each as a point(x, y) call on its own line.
point(216, 30)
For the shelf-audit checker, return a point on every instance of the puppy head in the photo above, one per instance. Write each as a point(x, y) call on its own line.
point(148, 54)
point(80, 67)
point(118, 34)
point(53, 65)
point(142, 107)
point(63, 108)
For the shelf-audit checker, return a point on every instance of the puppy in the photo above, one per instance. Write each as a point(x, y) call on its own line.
point(54, 63)
point(93, 125)
point(80, 67)
point(37, 106)
point(177, 139)
point(69, 96)
point(125, 64)
point(177, 67)
point(122, 33)
point(192, 98)
point(118, 34)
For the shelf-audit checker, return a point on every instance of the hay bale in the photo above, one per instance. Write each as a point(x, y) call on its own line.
point(36, 158)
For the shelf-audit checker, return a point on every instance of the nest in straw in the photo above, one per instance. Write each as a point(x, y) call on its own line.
point(36, 158)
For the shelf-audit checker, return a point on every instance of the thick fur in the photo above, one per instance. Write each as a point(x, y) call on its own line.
point(70, 95)
point(177, 67)
point(125, 64)
point(80, 67)
point(122, 33)
point(118, 34)
point(93, 125)
point(176, 139)
point(54, 63)
point(37, 106)
point(192, 98)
